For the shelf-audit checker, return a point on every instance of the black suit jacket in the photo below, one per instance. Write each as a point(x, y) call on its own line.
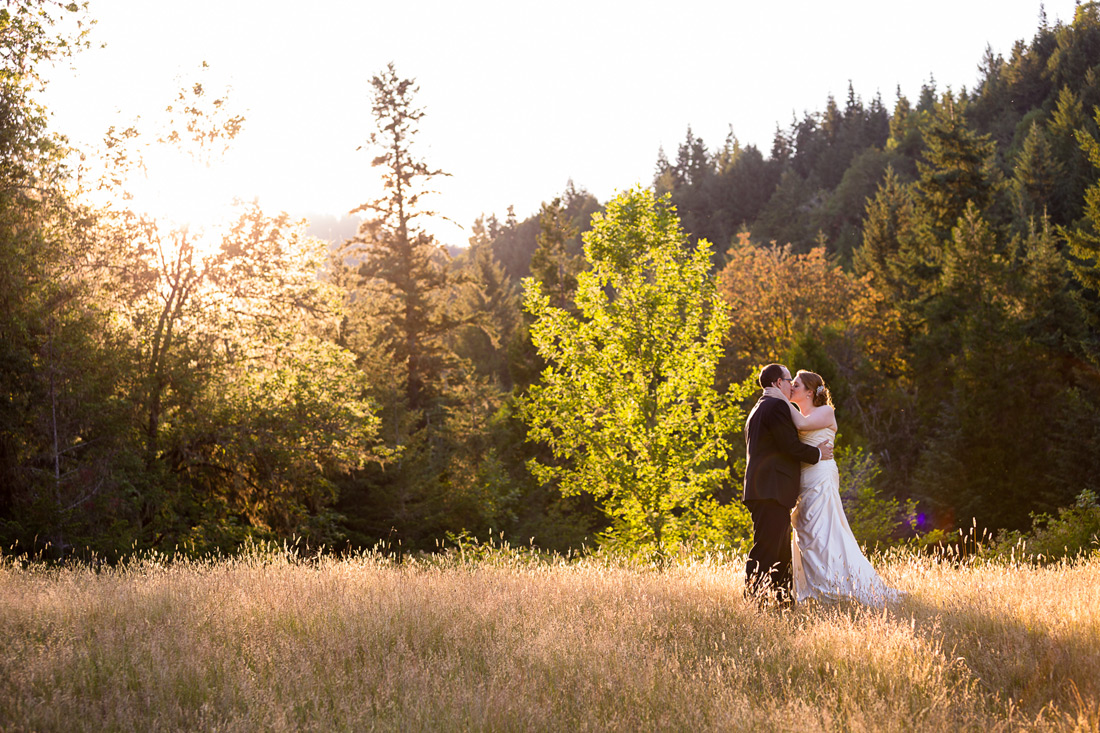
point(774, 453)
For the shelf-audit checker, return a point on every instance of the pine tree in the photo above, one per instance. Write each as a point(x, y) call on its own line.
point(1084, 246)
point(1050, 305)
point(992, 97)
point(399, 262)
point(991, 365)
point(832, 120)
point(421, 320)
point(904, 136)
point(488, 302)
point(963, 332)
point(890, 245)
point(663, 177)
point(555, 263)
point(787, 217)
point(782, 146)
point(958, 168)
point(877, 127)
point(728, 155)
point(693, 177)
point(1067, 119)
point(1035, 178)
point(693, 163)
point(927, 100)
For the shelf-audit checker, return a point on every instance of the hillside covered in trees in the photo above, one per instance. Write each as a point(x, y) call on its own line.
point(937, 260)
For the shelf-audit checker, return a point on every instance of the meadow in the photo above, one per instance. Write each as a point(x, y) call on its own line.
point(505, 640)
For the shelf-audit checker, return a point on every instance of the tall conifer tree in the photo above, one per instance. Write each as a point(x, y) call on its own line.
point(958, 168)
point(556, 264)
point(1035, 178)
point(888, 248)
point(399, 262)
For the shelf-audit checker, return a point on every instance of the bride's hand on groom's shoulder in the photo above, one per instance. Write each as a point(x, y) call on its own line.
point(774, 392)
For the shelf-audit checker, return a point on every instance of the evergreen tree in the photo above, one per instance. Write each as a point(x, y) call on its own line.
point(663, 177)
point(877, 125)
point(1065, 122)
point(399, 261)
point(905, 137)
point(927, 100)
point(989, 109)
point(891, 249)
point(1035, 177)
point(838, 221)
point(514, 243)
point(742, 189)
point(416, 317)
point(693, 162)
point(1084, 246)
point(556, 264)
point(832, 120)
point(1076, 48)
point(693, 178)
point(782, 146)
point(1052, 309)
point(958, 168)
point(787, 218)
point(488, 302)
point(985, 381)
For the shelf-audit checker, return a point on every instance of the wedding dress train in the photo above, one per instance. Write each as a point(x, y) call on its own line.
point(826, 561)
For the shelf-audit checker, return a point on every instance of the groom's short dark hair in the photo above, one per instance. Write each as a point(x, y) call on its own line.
point(771, 374)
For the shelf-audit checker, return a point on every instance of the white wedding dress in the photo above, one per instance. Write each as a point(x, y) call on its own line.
point(826, 561)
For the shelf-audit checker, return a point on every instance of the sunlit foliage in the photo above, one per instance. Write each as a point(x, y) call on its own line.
point(627, 402)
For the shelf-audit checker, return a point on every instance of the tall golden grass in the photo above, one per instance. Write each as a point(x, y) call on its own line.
point(269, 641)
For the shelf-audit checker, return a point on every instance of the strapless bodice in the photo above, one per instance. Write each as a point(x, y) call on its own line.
point(817, 437)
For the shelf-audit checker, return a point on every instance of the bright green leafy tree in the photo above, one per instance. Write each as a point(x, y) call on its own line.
point(627, 402)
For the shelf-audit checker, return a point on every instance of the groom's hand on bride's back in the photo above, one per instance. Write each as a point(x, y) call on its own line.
point(826, 451)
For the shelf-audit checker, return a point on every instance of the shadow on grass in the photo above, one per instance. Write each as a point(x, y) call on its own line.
point(1030, 664)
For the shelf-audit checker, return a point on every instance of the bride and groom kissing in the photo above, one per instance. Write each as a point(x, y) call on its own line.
point(791, 481)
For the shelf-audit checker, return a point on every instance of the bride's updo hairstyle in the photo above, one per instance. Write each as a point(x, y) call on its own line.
point(816, 385)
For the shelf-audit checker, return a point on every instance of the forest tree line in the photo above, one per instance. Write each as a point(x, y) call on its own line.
point(936, 261)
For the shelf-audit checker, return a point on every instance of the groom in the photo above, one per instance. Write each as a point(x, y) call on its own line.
point(772, 485)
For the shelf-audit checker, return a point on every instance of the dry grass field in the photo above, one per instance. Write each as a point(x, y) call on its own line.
point(271, 642)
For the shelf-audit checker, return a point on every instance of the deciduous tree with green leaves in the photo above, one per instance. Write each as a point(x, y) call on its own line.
point(53, 365)
point(627, 402)
point(240, 405)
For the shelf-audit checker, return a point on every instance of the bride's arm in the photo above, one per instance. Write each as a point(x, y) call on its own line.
point(822, 417)
point(801, 422)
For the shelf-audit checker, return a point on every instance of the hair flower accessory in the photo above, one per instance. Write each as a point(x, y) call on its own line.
point(820, 389)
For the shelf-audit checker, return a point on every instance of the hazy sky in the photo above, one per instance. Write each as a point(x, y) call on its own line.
point(518, 99)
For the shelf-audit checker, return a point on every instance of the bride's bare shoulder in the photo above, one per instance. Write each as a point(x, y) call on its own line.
point(822, 416)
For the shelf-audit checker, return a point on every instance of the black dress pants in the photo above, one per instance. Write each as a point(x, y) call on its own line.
point(768, 570)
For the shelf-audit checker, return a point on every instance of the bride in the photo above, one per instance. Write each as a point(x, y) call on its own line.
point(827, 563)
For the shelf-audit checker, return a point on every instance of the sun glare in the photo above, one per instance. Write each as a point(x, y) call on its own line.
point(179, 191)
